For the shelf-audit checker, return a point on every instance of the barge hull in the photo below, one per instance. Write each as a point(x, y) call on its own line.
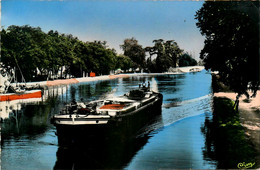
point(117, 128)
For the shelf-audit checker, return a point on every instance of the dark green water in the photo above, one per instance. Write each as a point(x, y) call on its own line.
point(172, 140)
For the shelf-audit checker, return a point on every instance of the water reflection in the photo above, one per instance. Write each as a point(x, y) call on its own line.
point(177, 146)
point(27, 120)
point(11, 107)
point(99, 153)
point(111, 155)
point(226, 145)
point(90, 90)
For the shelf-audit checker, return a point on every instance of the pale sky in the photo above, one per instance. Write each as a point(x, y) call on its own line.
point(111, 21)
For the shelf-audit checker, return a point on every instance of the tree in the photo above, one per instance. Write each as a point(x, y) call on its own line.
point(167, 54)
point(134, 51)
point(33, 51)
point(231, 47)
point(173, 51)
point(186, 60)
point(123, 62)
point(100, 59)
point(21, 49)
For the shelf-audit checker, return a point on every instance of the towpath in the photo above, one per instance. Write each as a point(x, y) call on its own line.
point(249, 112)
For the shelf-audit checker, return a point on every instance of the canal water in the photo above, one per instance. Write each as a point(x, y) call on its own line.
point(174, 139)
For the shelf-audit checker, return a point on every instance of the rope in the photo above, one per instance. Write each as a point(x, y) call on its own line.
point(23, 79)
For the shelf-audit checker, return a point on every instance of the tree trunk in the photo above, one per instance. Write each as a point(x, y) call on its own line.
point(236, 104)
point(61, 69)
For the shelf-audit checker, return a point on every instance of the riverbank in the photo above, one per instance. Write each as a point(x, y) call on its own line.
point(249, 115)
point(226, 139)
point(179, 70)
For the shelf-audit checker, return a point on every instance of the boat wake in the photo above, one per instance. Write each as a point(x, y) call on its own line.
point(179, 110)
point(175, 104)
point(154, 85)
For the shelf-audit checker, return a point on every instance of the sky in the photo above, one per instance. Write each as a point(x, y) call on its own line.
point(111, 21)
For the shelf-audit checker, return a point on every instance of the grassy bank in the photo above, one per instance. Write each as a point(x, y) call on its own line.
point(225, 138)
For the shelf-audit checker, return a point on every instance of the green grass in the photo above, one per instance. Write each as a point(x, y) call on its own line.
point(230, 143)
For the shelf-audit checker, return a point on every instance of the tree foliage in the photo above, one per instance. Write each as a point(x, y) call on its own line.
point(124, 62)
point(134, 51)
point(41, 55)
point(23, 45)
point(186, 60)
point(231, 47)
point(167, 55)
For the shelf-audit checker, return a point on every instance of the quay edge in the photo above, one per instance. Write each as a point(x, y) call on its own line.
point(42, 84)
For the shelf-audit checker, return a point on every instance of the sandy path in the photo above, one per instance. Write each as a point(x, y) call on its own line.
point(252, 105)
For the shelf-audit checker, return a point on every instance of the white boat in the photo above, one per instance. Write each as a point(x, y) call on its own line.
point(128, 113)
point(9, 91)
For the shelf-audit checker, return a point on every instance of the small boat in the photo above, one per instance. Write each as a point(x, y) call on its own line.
point(10, 91)
point(24, 94)
point(127, 114)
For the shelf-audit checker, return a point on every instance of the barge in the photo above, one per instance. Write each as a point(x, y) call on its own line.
point(121, 115)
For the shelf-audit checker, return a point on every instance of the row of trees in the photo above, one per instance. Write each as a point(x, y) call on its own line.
point(231, 46)
point(161, 56)
point(41, 55)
